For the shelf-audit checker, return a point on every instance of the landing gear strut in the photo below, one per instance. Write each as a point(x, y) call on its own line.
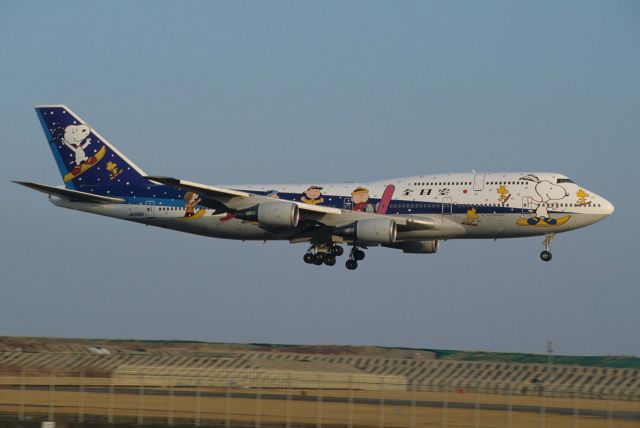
point(546, 254)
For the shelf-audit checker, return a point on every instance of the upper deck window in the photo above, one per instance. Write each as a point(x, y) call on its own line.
point(564, 180)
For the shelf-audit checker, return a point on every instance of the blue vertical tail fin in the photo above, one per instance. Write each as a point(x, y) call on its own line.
point(84, 157)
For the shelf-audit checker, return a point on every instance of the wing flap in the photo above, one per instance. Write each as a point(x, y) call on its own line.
point(72, 195)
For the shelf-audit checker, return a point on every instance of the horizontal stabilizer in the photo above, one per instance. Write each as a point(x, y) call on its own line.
point(72, 195)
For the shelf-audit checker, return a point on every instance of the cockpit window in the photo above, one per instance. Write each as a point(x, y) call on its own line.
point(564, 180)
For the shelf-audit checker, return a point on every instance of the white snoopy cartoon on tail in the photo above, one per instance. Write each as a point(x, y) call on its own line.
point(76, 138)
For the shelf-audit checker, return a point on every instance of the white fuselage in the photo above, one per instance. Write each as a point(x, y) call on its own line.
point(487, 205)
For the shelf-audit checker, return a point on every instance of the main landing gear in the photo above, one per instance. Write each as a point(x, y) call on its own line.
point(319, 254)
point(355, 256)
point(546, 254)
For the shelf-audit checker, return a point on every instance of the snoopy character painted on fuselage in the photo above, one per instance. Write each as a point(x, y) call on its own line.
point(547, 191)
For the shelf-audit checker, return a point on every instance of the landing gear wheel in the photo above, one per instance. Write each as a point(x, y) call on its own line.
point(337, 250)
point(318, 259)
point(358, 255)
point(351, 264)
point(329, 260)
point(546, 254)
point(308, 258)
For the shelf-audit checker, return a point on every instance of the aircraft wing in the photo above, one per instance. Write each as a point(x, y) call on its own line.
point(72, 195)
point(327, 216)
point(235, 199)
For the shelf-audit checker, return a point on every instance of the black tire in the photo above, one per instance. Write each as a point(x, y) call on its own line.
point(337, 250)
point(318, 259)
point(329, 260)
point(308, 258)
point(351, 264)
point(545, 256)
point(358, 255)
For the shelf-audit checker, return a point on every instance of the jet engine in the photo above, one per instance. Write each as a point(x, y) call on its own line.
point(420, 247)
point(371, 231)
point(272, 214)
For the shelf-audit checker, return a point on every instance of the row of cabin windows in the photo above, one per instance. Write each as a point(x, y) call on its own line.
point(467, 183)
point(508, 183)
point(424, 205)
point(494, 183)
point(414, 205)
point(427, 205)
point(444, 183)
point(554, 205)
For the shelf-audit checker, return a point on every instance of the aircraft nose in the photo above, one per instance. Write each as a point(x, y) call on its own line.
point(607, 207)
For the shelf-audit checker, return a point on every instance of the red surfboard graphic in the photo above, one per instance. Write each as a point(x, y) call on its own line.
point(383, 206)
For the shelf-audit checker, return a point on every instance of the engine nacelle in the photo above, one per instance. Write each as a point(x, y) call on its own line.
point(272, 214)
point(420, 247)
point(372, 231)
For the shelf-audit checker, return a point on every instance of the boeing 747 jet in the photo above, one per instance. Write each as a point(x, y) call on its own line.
point(410, 214)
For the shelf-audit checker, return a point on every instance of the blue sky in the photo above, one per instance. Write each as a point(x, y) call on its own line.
point(246, 92)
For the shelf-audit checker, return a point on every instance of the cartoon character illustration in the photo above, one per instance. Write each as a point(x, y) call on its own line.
point(504, 194)
point(360, 199)
point(312, 195)
point(582, 198)
point(191, 200)
point(472, 219)
point(113, 169)
point(272, 194)
point(547, 191)
point(76, 138)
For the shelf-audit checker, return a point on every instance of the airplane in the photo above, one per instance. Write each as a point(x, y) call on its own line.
point(411, 214)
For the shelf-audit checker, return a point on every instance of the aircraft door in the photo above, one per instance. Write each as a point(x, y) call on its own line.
point(150, 209)
point(478, 182)
point(348, 205)
point(527, 204)
point(447, 206)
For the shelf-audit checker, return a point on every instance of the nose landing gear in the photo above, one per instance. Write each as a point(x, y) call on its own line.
point(546, 254)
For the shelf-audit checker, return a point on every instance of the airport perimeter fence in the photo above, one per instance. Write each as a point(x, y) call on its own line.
point(287, 398)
